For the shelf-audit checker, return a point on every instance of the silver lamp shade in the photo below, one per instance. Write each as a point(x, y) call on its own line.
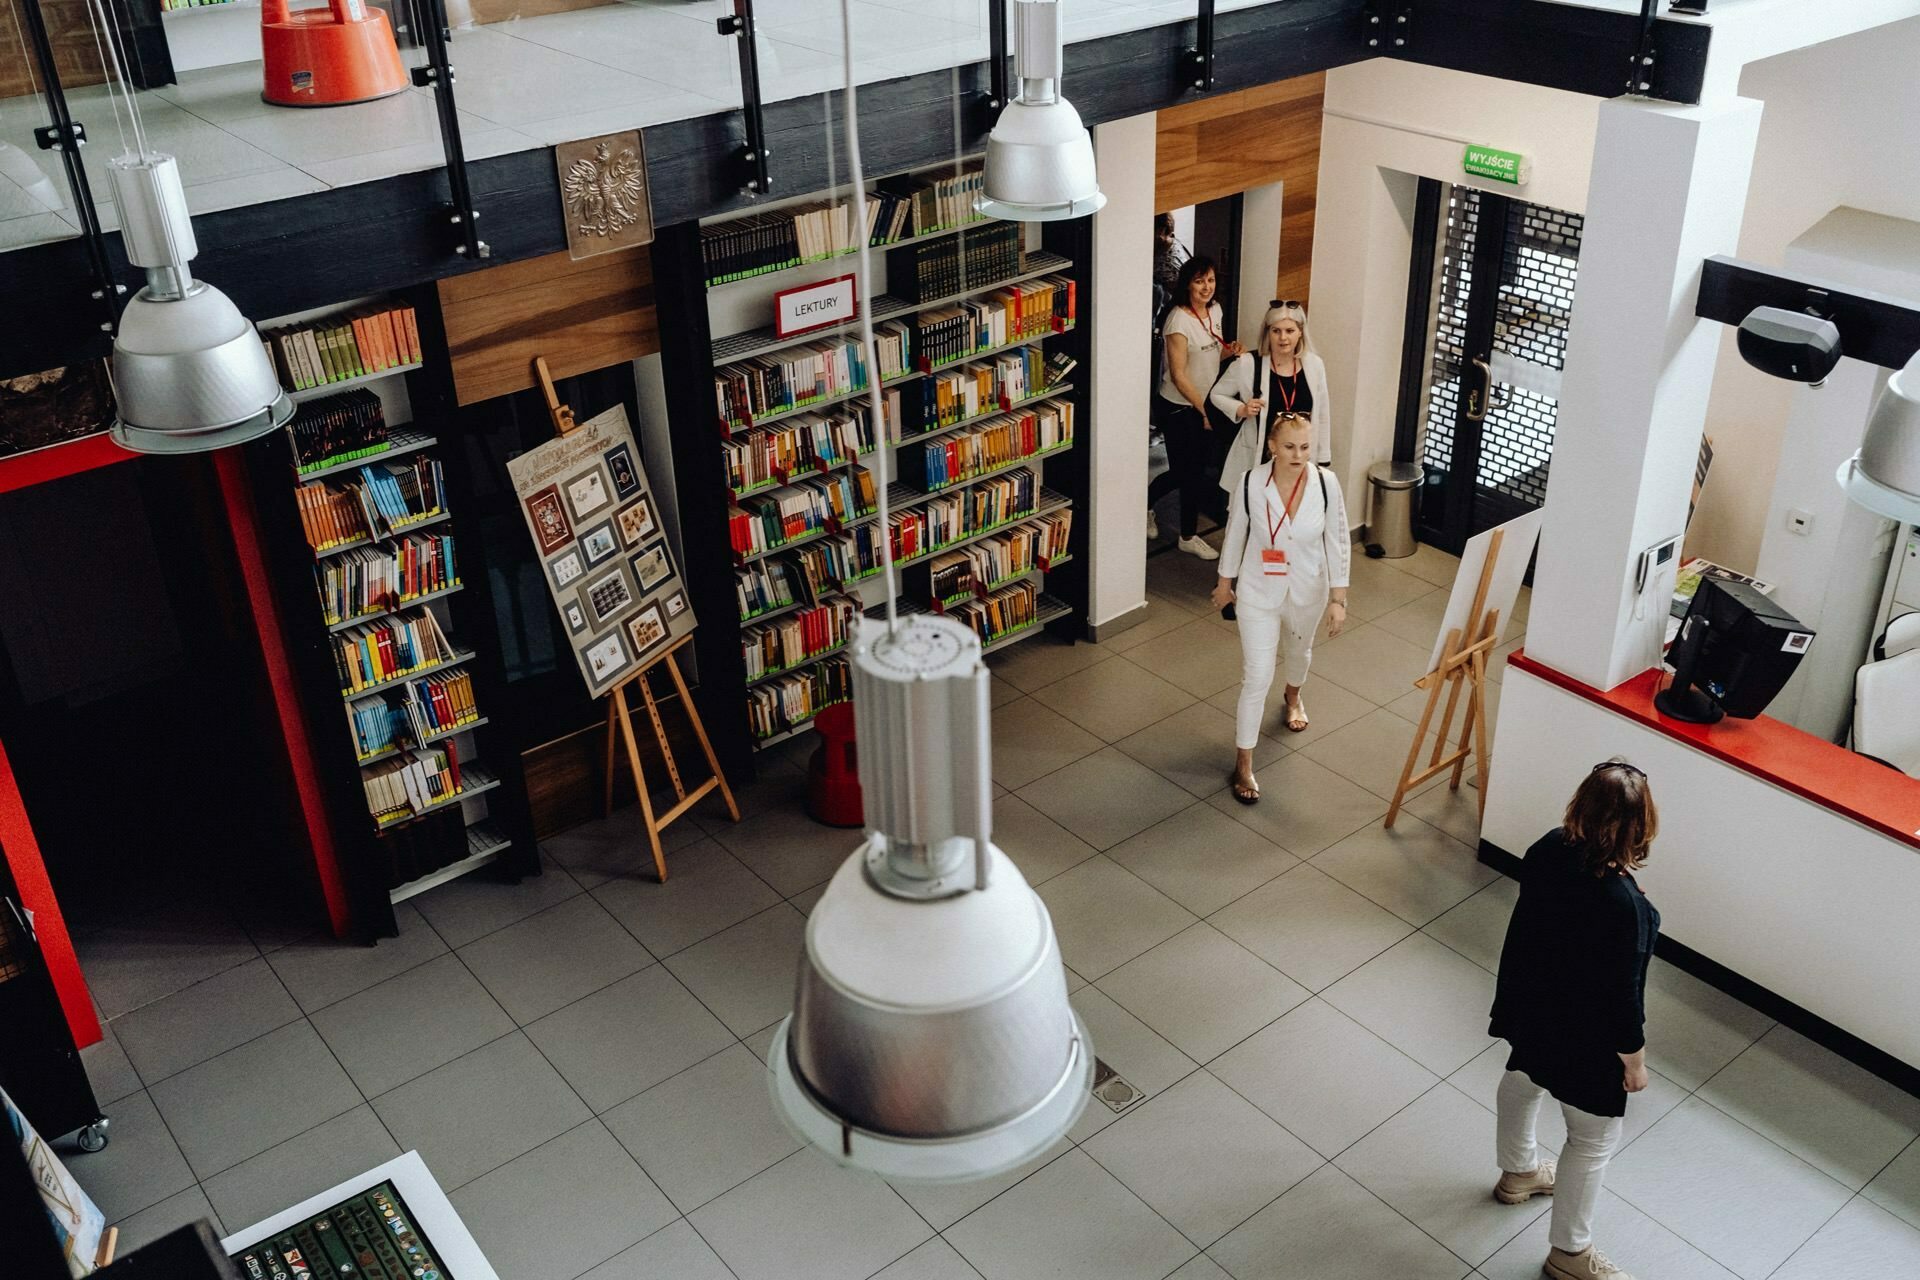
point(1039, 163)
point(1884, 476)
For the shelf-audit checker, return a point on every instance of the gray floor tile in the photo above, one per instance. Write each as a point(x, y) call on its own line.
point(1418, 621)
point(1324, 1076)
point(1378, 587)
point(628, 1037)
point(1031, 666)
point(1497, 667)
point(320, 970)
point(1182, 580)
point(1194, 748)
point(480, 1111)
point(407, 1026)
point(1376, 664)
point(1372, 751)
point(240, 1103)
point(1412, 704)
point(674, 1252)
point(208, 1018)
point(563, 1207)
point(1304, 807)
point(1310, 927)
point(1840, 1119)
point(473, 906)
point(1199, 657)
point(1628, 1236)
point(807, 899)
point(1031, 741)
point(1430, 563)
point(1425, 1000)
point(1434, 1163)
point(761, 1041)
point(1862, 1240)
point(808, 1219)
point(1105, 797)
point(1104, 916)
point(134, 959)
point(1203, 992)
point(1455, 812)
point(141, 1229)
point(943, 1204)
point(706, 1130)
point(1200, 1267)
point(304, 1165)
point(1724, 1188)
point(1202, 859)
point(1693, 1030)
point(108, 1070)
point(1330, 708)
point(1416, 871)
point(553, 958)
point(787, 848)
point(140, 1166)
point(707, 890)
point(934, 1260)
point(1111, 702)
point(1330, 1228)
point(1131, 1048)
point(778, 781)
point(1071, 1220)
point(1203, 1157)
point(1480, 1080)
point(1161, 617)
point(745, 974)
point(1038, 845)
point(1477, 928)
point(1897, 1188)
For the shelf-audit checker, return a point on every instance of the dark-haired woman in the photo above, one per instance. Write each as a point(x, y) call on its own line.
point(1195, 346)
point(1571, 1002)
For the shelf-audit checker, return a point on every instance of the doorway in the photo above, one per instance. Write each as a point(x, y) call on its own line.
point(1490, 299)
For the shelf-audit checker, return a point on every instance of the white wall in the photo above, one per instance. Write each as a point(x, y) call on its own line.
point(1260, 212)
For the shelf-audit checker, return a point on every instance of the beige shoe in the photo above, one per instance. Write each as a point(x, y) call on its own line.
point(1518, 1188)
point(1588, 1264)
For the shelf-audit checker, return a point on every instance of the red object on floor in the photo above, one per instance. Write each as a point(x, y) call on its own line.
point(328, 57)
point(833, 778)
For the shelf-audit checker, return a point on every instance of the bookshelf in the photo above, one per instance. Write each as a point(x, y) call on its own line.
point(985, 442)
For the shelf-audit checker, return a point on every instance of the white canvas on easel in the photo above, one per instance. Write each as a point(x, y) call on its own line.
point(1516, 553)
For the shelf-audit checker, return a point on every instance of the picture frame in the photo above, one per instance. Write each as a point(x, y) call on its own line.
point(637, 522)
point(652, 566)
point(647, 630)
point(566, 569)
point(588, 491)
point(599, 542)
point(675, 602)
point(548, 516)
point(607, 595)
point(575, 617)
point(626, 476)
point(606, 658)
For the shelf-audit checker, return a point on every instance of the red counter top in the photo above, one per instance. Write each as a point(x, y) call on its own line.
point(1813, 769)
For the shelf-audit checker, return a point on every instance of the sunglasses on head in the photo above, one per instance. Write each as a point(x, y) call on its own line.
point(1635, 770)
point(1287, 302)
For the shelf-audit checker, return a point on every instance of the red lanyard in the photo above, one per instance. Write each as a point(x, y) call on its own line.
point(1205, 322)
point(1287, 390)
point(1286, 513)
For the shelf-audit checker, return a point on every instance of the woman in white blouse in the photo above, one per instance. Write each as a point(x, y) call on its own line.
point(1289, 547)
point(1284, 377)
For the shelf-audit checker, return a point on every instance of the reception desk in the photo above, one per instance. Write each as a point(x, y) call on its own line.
point(1788, 861)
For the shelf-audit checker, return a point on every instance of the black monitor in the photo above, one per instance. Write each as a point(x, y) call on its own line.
point(1735, 651)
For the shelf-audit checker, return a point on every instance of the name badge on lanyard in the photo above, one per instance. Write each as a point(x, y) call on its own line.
point(1273, 560)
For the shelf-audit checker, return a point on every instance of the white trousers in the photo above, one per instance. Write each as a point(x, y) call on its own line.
point(1280, 637)
point(1591, 1142)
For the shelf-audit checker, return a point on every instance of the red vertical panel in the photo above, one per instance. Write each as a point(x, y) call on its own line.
point(36, 895)
point(57, 460)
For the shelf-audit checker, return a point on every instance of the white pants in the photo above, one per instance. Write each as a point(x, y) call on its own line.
point(1591, 1142)
point(1270, 637)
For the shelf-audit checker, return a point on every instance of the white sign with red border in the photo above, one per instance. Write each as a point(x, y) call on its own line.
point(814, 306)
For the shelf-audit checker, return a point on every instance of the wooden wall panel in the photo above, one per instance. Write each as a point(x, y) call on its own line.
point(581, 316)
point(1235, 141)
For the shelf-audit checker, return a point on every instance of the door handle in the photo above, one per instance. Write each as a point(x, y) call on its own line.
point(1477, 399)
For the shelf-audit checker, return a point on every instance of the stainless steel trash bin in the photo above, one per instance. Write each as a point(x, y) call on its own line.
point(1390, 527)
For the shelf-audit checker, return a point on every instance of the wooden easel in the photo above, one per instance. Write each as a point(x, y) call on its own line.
point(1461, 666)
point(620, 718)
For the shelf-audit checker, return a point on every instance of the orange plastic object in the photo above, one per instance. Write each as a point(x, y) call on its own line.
point(833, 778)
point(328, 57)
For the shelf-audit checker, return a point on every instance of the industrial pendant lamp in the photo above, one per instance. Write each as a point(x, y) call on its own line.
point(189, 371)
point(1039, 165)
point(1884, 476)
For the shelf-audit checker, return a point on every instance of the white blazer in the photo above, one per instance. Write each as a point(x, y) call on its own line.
point(1318, 542)
point(1240, 384)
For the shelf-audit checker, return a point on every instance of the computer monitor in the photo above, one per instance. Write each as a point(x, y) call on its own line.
point(1735, 651)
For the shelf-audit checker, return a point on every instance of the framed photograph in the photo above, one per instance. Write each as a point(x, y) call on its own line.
point(598, 542)
point(588, 492)
point(550, 524)
point(647, 629)
point(576, 617)
point(626, 476)
point(636, 521)
point(566, 568)
point(676, 603)
point(607, 596)
point(606, 658)
point(653, 566)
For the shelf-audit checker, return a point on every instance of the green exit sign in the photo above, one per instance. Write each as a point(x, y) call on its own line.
point(1496, 165)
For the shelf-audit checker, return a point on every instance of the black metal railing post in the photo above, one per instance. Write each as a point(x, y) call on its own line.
point(438, 74)
point(66, 135)
point(740, 26)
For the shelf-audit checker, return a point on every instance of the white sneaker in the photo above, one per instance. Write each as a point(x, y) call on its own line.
point(1196, 547)
point(1153, 526)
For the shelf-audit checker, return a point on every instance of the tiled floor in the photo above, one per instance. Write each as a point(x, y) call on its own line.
point(1300, 995)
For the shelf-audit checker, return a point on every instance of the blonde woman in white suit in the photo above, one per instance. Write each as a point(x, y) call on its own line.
point(1285, 376)
point(1283, 566)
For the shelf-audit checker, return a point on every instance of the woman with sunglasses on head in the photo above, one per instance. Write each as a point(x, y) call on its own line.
point(1281, 375)
point(1287, 542)
point(1571, 1001)
point(1195, 346)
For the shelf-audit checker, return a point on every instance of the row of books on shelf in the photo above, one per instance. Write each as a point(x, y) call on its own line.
point(380, 501)
point(421, 709)
point(1002, 612)
point(375, 579)
point(423, 846)
point(794, 638)
point(928, 527)
point(980, 565)
point(761, 523)
point(339, 428)
point(970, 390)
point(782, 703)
point(350, 345)
point(413, 781)
point(938, 268)
point(396, 646)
point(793, 446)
point(1015, 314)
point(898, 209)
point(961, 455)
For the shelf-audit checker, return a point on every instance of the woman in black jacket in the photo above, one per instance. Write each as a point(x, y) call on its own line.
point(1571, 1001)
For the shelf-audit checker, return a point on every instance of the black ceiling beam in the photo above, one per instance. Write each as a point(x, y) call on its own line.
point(377, 237)
point(1874, 327)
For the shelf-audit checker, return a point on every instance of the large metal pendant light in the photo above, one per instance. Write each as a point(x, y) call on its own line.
point(1039, 165)
point(1884, 476)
